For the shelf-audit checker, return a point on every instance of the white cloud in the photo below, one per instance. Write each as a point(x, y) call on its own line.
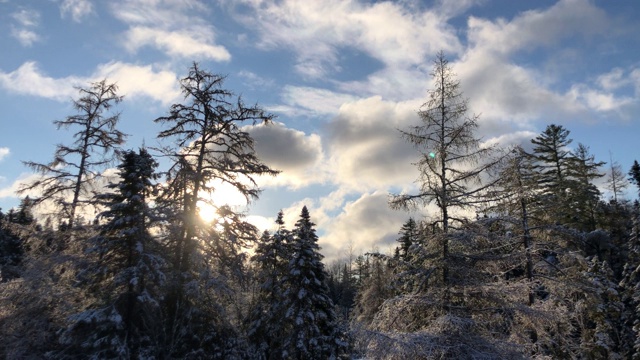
point(178, 28)
point(29, 80)
point(133, 80)
point(365, 147)
point(27, 17)
point(538, 27)
point(255, 81)
point(316, 31)
point(598, 100)
point(364, 224)
point(77, 9)
point(24, 36)
point(186, 44)
point(4, 152)
point(314, 101)
point(27, 20)
point(136, 80)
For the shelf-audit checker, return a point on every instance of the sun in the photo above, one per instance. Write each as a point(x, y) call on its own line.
point(224, 194)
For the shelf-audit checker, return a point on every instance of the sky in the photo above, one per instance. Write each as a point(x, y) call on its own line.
point(342, 76)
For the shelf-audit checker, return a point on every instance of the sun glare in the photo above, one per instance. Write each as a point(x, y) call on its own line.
point(224, 194)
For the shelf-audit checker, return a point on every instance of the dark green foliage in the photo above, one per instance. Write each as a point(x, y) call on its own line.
point(127, 274)
point(310, 321)
point(634, 174)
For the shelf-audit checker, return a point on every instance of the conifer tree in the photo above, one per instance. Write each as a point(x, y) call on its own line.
point(127, 273)
point(634, 174)
point(211, 145)
point(68, 178)
point(552, 160)
point(616, 182)
point(450, 163)
point(311, 329)
point(583, 170)
point(266, 325)
point(408, 237)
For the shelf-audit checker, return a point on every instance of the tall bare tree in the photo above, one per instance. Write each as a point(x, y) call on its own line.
point(68, 178)
point(210, 146)
point(450, 164)
point(616, 181)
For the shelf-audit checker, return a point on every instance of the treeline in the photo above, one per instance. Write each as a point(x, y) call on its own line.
point(523, 259)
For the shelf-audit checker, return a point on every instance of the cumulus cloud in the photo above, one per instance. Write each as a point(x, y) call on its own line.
point(365, 147)
point(77, 9)
point(299, 156)
point(364, 224)
point(133, 80)
point(178, 28)
point(29, 80)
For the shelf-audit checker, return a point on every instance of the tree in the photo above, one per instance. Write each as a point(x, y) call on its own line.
point(75, 167)
point(616, 182)
point(311, 329)
point(408, 236)
point(450, 169)
point(583, 170)
point(266, 325)
point(127, 273)
point(211, 146)
point(552, 160)
point(634, 174)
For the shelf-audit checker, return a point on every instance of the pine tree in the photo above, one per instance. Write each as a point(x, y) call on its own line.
point(67, 179)
point(450, 168)
point(552, 161)
point(127, 273)
point(584, 197)
point(311, 329)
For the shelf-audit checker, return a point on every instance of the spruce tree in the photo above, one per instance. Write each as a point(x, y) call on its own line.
point(634, 174)
point(127, 274)
point(266, 325)
point(311, 328)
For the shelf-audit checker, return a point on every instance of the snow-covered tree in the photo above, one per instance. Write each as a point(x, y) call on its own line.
point(451, 162)
point(127, 274)
point(67, 180)
point(311, 331)
point(266, 325)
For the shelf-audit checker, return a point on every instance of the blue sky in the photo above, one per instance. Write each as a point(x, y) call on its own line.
point(340, 75)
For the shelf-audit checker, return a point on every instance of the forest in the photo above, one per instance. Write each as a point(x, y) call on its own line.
point(525, 257)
